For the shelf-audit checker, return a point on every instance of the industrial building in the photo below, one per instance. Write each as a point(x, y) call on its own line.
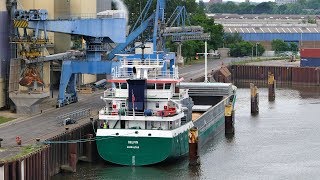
point(301, 29)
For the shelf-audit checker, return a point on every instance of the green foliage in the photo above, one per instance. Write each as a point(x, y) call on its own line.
point(215, 30)
point(294, 47)
point(300, 7)
point(279, 45)
point(240, 49)
point(233, 38)
point(245, 48)
point(190, 48)
point(260, 49)
point(24, 151)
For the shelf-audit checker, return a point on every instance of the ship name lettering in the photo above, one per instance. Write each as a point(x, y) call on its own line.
point(133, 142)
point(132, 147)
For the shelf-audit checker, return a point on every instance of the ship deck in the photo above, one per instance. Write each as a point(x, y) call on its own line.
point(198, 110)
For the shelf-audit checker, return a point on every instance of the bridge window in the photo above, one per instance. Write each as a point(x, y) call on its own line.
point(117, 85)
point(151, 86)
point(159, 86)
point(167, 86)
point(123, 85)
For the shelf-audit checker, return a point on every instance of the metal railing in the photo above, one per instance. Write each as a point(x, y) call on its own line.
point(152, 74)
point(146, 62)
point(74, 115)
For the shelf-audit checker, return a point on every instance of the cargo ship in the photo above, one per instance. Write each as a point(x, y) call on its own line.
point(149, 112)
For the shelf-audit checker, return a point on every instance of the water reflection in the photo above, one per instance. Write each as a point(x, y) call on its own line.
point(229, 137)
point(195, 168)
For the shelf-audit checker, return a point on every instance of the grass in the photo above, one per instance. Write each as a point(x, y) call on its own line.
point(4, 119)
point(24, 151)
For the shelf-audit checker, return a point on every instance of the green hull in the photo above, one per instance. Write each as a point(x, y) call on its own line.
point(139, 151)
point(211, 131)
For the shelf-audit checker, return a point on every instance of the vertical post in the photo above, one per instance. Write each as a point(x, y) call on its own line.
point(2, 170)
point(89, 145)
point(256, 50)
point(229, 119)
point(252, 52)
point(254, 99)
point(73, 158)
point(205, 62)
point(180, 61)
point(193, 144)
point(271, 86)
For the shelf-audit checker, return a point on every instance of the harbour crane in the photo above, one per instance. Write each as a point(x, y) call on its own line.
point(100, 31)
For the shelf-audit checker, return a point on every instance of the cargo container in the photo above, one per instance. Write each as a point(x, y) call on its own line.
point(310, 53)
point(310, 62)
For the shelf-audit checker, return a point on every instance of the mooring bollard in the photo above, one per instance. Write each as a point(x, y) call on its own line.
point(193, 144)
point(18, 140)
point(229, 119)
point(38, 141)
point(254, 99)
point(271, 86)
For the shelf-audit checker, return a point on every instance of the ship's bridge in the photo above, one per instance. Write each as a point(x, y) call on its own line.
point(147, 69)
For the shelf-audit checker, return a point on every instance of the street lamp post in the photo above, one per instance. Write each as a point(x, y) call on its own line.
point(252, 52)
point(205, 62)
point(257, 50)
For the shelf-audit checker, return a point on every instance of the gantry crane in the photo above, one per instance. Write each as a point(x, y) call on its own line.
point(97, 32)
point(100, 31)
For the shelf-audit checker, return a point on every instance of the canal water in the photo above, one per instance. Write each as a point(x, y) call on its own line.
point(282, 142)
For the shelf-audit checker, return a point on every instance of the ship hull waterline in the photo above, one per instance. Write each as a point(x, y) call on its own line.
point(140, 151)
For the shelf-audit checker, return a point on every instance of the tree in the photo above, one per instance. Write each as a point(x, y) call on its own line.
point(279, 45)
point(313, 4)
point(260, 49)
point(215, 30)
point(241, 49)
point(230, 7)
point(245, 8)
point(293, 47)
point(264, 8)
point(189, 49)
point(232, 39)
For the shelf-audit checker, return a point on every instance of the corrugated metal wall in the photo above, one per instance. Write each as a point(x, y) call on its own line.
point(244, 74)
point(283, 36)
